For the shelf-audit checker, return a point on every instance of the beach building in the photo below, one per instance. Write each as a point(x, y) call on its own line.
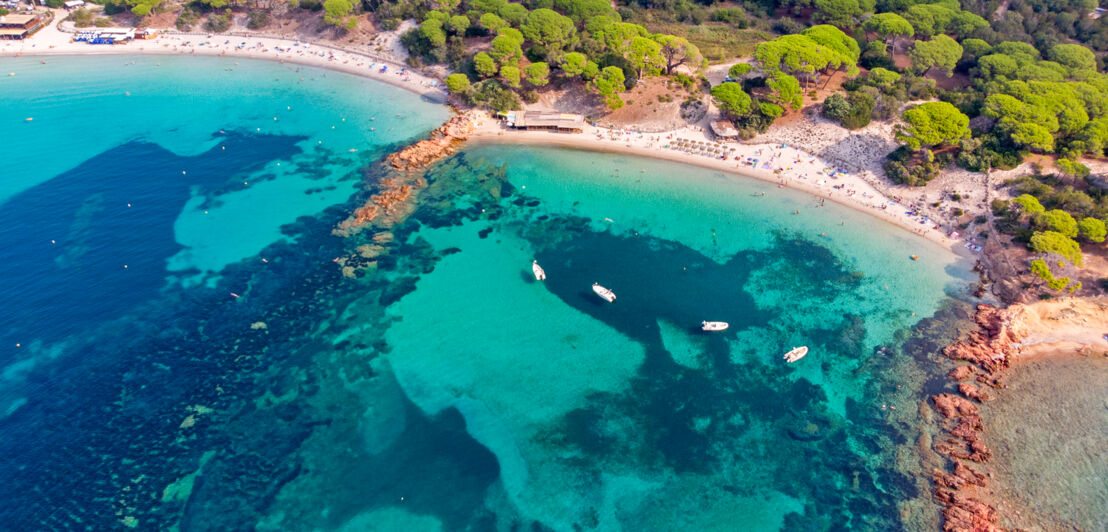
point(545, 120)
point(74, 4)
point(724, 129)
point(20, 26)
point(105, 35)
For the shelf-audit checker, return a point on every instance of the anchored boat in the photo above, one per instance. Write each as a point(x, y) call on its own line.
point(714, 325)
point(540, 274)
point(796, 354)
point(604, 293)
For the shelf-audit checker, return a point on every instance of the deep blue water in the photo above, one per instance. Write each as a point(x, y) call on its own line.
point(414, 376)
point(92, 243)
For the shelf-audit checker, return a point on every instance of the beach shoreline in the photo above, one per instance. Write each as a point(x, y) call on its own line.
point(491, 132)
point(52, 41)
point(846, 189)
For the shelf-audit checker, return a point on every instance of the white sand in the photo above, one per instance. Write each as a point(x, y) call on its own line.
point(53, 41)
point(788, 166)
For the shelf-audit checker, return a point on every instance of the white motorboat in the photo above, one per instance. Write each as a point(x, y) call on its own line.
point(604, 293)
point(796, 354)
point(714, 325)
point(540, 274)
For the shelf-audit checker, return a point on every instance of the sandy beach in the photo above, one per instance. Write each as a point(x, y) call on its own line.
point(776, 162)
point(53, 41)
point(784, 165)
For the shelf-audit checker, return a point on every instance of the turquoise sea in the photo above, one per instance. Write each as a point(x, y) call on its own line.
point(186, 345)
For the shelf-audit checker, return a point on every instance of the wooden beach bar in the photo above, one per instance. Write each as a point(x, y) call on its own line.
point(545, 120)
point(14, 26)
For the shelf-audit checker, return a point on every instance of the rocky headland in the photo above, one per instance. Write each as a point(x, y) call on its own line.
point(393, 200)
point(1002, 337)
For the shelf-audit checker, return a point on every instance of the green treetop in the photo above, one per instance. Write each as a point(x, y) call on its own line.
point(1076, 58)
point(1059, 244)
point(1092, 229)
point(538, 74)
point(834, 38)
point(608, 84)
point(731, 98)
point(1029, 204)
point(617, 36)
point(841, 13)
point(1057, 220)
point(549, 29)
point(739, 70)
point(458, 24)
point(941, 51)
point(430, 29)
point(492, 22)
point(889, 26)
point(515, 14)
point(786, 90)
point(933, 123)
point(678, 51)
point(573, 63)
point(505, 49)
point(485, 65)
point(511, 75)
point(457, 83)
point(336, 11)
point(645, 55)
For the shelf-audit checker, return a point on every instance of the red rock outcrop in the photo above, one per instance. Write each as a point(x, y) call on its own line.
point(989, 345)
point(444, 141)
point(968, 514)
point(973, 392)
point(987, 349)
point(961, 372)
point(393, 200)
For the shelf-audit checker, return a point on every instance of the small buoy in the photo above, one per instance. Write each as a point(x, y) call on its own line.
point(52, 241)
point(128, 204)
point(288, 107)
point(245, 183)
point(915, 257)
point(124, 266)
point(29, 118)
point(275, 119)
point(128, 93)
point(11, 73)
point(182, 172)
point(352, 150)
point(234, 295)
point(265, 261)
point(223, 147)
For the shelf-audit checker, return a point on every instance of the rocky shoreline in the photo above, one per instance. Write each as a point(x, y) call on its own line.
point(1001, 337)
point(394, 198)
point(957, 489)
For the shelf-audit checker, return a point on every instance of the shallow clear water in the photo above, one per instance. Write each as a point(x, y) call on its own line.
point(440, 387)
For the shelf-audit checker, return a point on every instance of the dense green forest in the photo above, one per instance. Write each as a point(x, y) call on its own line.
point(1031, 70)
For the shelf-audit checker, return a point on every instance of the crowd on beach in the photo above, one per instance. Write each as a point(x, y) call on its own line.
point(785, 163)
point(53, 40)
